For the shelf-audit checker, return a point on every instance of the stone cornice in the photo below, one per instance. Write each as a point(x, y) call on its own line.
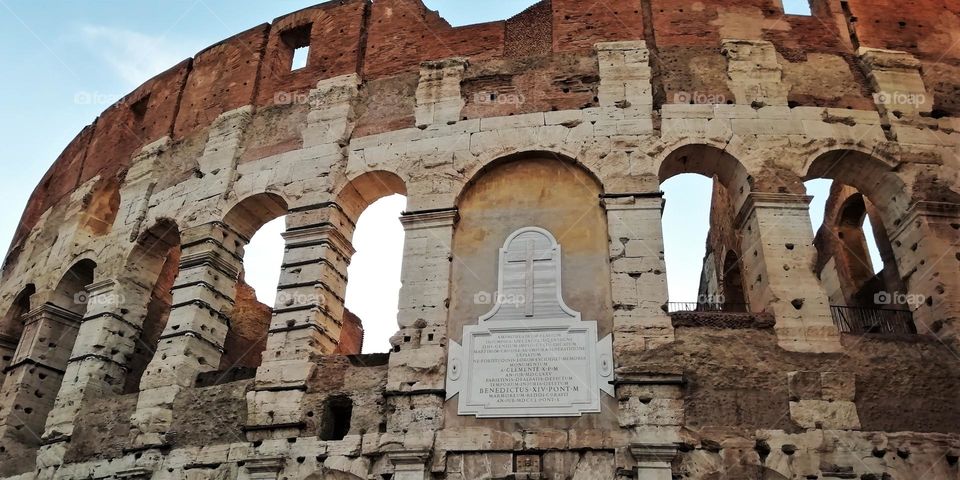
point(425, 219)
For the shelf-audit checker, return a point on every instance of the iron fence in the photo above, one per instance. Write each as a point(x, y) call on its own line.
point(860, 320)
point(707, 307)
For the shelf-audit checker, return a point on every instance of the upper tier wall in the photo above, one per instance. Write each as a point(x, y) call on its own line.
point(392, 37)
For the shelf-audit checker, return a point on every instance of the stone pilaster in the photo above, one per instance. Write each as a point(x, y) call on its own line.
point(418, 358)
point(625, 76)
point(754, 73)
point(778, 255)
point(654, 460)
point(332, 115)
point(33, 378)
point(193, 339)
point(638, 272)
point(264, 468)
point(439, 101)
point(308, 315)
point(97, 365)
point(926, 245)
point(896, 82)
point(410, 465)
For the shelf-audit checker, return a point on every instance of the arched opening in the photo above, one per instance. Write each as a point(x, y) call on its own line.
point(703, 187)
point(259, 220)
point(855, 260)
point(101, 206)
point(734, 299)
point(374, 273)
point(36, 370)
point(11, 325)
point(374, 201)
point(530, 190)
point(155, 260)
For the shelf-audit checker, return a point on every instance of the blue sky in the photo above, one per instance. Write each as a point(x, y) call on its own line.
point(65, 62)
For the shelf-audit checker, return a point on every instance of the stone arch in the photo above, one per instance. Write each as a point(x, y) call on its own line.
point(564, 159)
point(362, 190)
point(543, 190)
point(70, 293)
point(11, 324)
point(863, 183)
point(732, 184)
point(36, 370)
point(710, 161)
point(100, 206)
point(246, 337)
point(246, 216)
point(152, 266)
point(871, 175)
point(354, 198)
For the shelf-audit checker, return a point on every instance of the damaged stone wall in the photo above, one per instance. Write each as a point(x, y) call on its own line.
point(569, 115)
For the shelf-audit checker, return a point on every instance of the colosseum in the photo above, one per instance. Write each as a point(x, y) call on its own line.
point(531, 152)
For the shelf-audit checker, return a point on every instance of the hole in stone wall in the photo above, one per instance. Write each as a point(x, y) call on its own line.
point(336, 418)
point(374, 273)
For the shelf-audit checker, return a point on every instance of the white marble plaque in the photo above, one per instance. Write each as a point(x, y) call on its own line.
point(531, 355)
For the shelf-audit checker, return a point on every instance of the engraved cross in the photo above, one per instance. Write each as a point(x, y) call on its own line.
point(528, 257)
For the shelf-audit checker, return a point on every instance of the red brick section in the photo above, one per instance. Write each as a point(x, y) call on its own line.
point(579, 24)
point(336, 36)
point(530, 32)
point(223, 78)
point(925, 28)
point(404, 33)
point(351, 335)
point(143, 116)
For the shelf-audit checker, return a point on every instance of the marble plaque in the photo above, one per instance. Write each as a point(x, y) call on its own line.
point(531, 355)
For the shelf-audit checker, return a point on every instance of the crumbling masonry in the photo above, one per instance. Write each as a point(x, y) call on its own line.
point(132, 349)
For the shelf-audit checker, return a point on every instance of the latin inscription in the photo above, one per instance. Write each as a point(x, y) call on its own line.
point(535, 367)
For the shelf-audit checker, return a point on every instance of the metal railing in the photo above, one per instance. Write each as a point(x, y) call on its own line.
point(726, 307)
point(860, 320)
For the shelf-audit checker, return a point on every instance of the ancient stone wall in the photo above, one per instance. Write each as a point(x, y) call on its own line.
point(133, 349)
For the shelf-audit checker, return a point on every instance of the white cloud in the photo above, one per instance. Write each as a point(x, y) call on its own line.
point(135, 56)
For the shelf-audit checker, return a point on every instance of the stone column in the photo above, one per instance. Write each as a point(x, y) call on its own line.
point(307, 318)
point(418, 358)
point(778, 255)
point(264, 468)
point(654, 460)
point(439, 101)
point(192, 341)
point(34, 377)
point(926, 245)
point(97, 365)
point(409, 465)
point(638, 273)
